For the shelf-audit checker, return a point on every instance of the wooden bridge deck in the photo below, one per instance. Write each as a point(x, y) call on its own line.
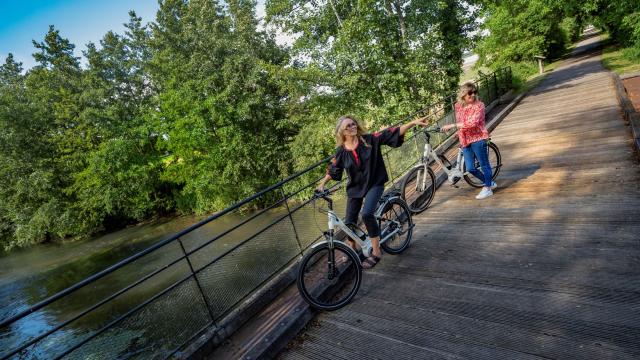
point(549, 267)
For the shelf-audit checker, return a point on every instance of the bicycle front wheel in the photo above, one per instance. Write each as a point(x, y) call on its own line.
point(494, 160)
point(327, 285)
point(396, 218)
point(418, 188)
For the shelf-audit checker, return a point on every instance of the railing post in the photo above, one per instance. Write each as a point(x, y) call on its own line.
point(387, 160)
point(295, 231)
point(452, 103)
point(495, 85)
point(193, 273)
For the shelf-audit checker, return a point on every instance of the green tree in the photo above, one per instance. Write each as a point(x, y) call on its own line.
point(519, 30)
point(121, 180)
point(14, 142)
point(377, 59)
point(221, 108)
point(44, 143)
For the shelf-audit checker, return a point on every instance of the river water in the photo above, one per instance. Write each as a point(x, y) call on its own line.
point(30, 275)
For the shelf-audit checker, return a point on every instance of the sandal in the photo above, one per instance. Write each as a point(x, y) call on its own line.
point(370, 262)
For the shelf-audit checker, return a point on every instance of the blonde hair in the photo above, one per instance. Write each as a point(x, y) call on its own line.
point(464, 91)
point(338, 133)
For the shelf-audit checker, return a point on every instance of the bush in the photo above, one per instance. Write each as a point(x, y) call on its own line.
point(631, 23)
point(521, 71)
point(572, 29)
point(518, 31)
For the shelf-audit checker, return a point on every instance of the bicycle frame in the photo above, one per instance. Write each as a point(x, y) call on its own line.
point(454, 174)
point(335, 222)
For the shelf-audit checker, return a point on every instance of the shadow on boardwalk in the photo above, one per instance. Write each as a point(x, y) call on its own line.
point(546, 268)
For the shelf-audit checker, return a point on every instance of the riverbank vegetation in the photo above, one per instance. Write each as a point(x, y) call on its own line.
point(202, 107)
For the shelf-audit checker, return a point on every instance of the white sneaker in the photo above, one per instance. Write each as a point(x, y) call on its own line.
point(493, 185)
point(484, 194)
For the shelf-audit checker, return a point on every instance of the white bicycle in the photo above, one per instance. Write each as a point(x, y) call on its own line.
point(419, 185)
point(330, 273)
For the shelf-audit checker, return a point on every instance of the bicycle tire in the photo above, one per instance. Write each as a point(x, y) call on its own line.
point(495, 160)
point(396, 209)
point(417, 200)
point(318, 289)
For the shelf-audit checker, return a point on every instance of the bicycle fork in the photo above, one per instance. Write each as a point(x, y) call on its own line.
point(332, 269)
point(421, 184)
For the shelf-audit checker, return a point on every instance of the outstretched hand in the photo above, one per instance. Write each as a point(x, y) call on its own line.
point(423, 121)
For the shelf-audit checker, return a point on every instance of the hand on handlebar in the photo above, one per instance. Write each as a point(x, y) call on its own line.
point(320, 191)
point(447, 127)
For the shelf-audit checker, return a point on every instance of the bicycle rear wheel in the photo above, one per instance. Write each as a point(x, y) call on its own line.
point(495, 161)
point(418, 188)
point(396, 216)
point(328, 287)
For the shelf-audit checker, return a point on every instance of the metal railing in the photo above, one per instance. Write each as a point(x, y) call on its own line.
point(190, 281)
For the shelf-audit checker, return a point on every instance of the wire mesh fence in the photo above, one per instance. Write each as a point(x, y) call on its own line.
point(155, 302)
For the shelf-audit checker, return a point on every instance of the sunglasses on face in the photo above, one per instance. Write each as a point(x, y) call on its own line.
point(352, 125)
point(471, 92)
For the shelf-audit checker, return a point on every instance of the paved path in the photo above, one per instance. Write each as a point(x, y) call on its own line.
point(547, 268)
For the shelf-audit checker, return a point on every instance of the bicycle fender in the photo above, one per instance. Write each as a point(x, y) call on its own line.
point(336, 241)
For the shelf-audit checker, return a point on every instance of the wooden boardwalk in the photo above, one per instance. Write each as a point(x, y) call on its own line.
point(548, 268)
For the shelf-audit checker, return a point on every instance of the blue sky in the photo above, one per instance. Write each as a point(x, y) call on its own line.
point(80, 21)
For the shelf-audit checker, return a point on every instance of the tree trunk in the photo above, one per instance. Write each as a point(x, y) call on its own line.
point(335, 11)
point(403, 28)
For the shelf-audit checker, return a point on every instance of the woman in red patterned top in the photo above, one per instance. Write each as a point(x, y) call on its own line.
point(473, 136)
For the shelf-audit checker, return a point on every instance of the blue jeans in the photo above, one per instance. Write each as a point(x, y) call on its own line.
point(370, 204)
point(478, 150)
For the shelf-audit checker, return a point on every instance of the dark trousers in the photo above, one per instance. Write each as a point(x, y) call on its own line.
point(370, 203)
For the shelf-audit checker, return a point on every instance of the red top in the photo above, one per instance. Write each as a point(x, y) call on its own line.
point(355, 156)
point(470, 123)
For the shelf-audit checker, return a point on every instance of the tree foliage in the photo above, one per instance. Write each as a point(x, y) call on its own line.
point(377, 59)
point(201, 107)
point(519, 30)
point(516, 31)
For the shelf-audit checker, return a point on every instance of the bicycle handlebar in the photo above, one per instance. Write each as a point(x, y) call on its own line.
point(324, 195)
point(320, 194)
point(427, 131)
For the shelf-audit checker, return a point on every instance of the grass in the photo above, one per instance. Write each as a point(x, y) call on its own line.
point(620, 60)
point(535, 79)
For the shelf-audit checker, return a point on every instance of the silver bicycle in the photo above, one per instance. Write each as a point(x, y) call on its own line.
point(419, 185)
point(330, 273)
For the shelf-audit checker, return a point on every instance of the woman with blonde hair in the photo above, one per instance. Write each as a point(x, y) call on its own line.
point(473, 136)
point(359, 154)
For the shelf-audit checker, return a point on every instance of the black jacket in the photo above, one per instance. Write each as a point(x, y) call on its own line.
point(364, 165)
